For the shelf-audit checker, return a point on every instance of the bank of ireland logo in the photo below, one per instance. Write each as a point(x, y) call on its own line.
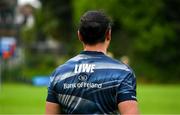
point(82, 77)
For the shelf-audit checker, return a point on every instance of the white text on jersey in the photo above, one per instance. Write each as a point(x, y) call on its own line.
point(89, 68)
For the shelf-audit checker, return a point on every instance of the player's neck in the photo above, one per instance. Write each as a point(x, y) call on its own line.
point(100, 47)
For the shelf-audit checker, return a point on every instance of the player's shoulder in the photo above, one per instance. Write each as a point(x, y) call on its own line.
point(64, 67)
point(125, 70)
point(117, 64)
point(60, 71)
point(67, 65)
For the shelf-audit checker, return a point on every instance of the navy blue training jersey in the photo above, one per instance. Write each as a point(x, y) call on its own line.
point(90, 83)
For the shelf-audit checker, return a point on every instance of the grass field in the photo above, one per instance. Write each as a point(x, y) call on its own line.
point(27, 99)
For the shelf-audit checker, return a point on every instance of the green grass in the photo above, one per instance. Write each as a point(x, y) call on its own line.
point(27, 99)
point(22, 99)
point(159, 99)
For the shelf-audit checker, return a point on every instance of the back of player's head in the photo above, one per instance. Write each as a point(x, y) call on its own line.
point(93, 27)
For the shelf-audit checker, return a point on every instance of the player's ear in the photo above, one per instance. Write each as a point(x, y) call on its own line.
point(108, 35)
point(79, 35)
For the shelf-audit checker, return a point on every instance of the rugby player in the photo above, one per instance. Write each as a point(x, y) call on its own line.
point(92, 82)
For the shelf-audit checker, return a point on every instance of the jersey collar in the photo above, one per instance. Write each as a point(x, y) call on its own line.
point(92, 52)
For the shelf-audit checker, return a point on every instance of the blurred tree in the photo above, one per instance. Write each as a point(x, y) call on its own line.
point(53, 20)
point(146, 31)
point(59, 16)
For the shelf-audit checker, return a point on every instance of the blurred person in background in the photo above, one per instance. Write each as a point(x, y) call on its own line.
point(92, 82)
point(125, 60)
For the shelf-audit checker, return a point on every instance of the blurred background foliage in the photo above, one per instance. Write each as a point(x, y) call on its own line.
point(145, 31)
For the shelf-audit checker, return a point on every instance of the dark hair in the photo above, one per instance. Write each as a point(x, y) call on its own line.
point(93, 27)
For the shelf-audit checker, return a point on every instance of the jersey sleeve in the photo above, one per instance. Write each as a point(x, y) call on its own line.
point(127, 89)
point(52, 95)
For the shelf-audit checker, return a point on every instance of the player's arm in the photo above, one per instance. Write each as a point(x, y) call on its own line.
point(52, 108)
point(128, 107)
point(52, 105)
point(126, 96)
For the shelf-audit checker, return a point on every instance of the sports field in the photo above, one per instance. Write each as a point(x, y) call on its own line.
point(27, 99)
